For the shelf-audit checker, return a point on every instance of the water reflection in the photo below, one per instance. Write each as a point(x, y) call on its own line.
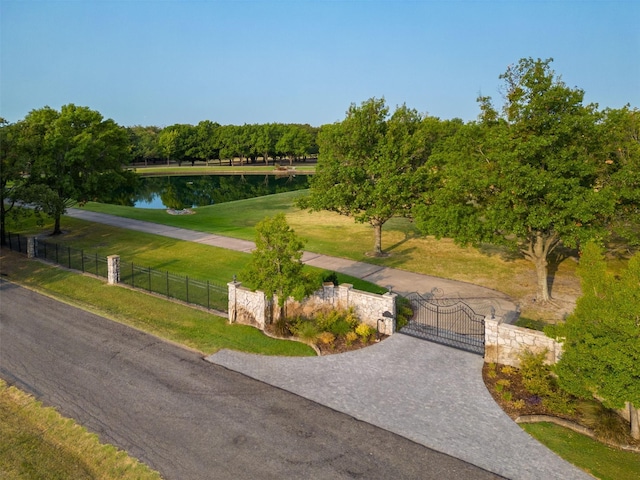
point(196, 191)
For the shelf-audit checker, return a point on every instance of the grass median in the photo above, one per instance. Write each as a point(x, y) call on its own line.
point(332, 234)
point(194, 328)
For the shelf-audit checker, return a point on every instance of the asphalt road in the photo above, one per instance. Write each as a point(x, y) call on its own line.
point(185, 417)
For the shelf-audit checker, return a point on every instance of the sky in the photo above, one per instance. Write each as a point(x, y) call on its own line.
point(162, 62)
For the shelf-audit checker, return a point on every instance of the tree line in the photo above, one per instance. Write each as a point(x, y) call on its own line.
point(543, 170)
point(210, 141)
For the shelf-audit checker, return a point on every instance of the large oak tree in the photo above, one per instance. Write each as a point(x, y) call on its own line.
point(73, 155)
point(528, 176)
point(366, 165)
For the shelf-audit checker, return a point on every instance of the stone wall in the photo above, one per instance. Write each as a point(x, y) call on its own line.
point(253, 308)
point(504, 343)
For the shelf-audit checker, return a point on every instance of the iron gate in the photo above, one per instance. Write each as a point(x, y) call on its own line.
point(449, 322)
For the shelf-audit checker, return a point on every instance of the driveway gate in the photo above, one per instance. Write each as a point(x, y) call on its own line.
point(449, 322)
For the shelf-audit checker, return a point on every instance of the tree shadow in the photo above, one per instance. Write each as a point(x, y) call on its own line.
point(555, 258)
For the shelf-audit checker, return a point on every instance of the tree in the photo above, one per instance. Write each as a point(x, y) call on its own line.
point(366, 166)
point(526, 177)
point(276, 266)
point(601, 351)
point(12, 169)
point(295, 142)
point(144, 143)
point(620, 130)
point(74, 154)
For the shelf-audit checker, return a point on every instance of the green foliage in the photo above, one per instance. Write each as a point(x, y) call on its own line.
point(73, 155)
point(601, 350)
point(404, 312)
point(537, 378)
point(350, 337)
point(306, 330)
point(527, 176)
point(364, 331)
point(366, 165)
point(536, 375)
point(338, 321)
point(276, 266)
point(606, 423)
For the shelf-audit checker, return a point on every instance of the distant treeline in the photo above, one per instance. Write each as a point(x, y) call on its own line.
point(209, 141)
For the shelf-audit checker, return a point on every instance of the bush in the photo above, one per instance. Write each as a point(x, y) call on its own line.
point(350, 337)
point(404, 312)
point(364, 331)
point(326, 338)
point(327, 320)
point(341, 327)
point(536, 376)
point(306, 330)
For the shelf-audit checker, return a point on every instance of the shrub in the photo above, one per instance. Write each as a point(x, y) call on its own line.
point(491, 370)
point(364, 331)
point(331, 277)
point(519, 404)
point(404, 312)
point(536, 376)
point(606, 423)
point(341, 327)
point(306, 330)
point(507, 396)
point(326, 338)
point(504, 382)
point(350, 337)
point(328, 320)
point(508, 370)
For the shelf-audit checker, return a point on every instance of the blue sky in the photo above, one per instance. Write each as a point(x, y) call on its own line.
point(160, 62)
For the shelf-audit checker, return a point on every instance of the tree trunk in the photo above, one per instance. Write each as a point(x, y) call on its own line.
point(56, 225)
point(540, 246)
point(377, 244)
point(634, 414)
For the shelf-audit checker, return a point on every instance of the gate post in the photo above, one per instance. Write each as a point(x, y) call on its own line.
point(113, 269)
point(31, 247)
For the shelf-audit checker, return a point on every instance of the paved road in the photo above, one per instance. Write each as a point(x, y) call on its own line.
point(185, 417)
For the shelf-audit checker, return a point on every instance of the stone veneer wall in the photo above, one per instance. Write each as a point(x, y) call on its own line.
point(252, 308)
point(504, 343)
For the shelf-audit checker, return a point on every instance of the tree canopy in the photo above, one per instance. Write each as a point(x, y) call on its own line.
point(601, 351)
point(276, 263)
point(367, 164)
point(526, 176)
point(72, 155)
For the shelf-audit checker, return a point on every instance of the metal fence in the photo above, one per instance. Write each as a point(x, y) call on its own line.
point(210, 295)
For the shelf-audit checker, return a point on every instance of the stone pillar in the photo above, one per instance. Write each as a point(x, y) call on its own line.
point(491, 343)
point(31, 247)
point(113, 269)
point(343, 295)
point(390, 322)
point(233, 300)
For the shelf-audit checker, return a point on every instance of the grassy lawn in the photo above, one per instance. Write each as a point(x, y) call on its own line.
point(58, 448)
point(599, 460)
point(340, 236)
point(187, 326)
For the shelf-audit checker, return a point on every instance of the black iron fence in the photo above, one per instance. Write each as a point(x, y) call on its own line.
point(208, 294)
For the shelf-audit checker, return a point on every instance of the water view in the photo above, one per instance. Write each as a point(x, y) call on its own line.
point(180, 192)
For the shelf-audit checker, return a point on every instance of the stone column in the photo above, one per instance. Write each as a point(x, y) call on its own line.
point(113, 269)
point(233, 300)
point(31, 247)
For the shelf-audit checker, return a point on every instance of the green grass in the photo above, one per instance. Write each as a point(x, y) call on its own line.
point(599, 460)
point(340, 236)
point(39, 443)
point(187, 326)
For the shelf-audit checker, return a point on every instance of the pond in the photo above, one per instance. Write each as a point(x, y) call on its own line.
point(180, 192)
